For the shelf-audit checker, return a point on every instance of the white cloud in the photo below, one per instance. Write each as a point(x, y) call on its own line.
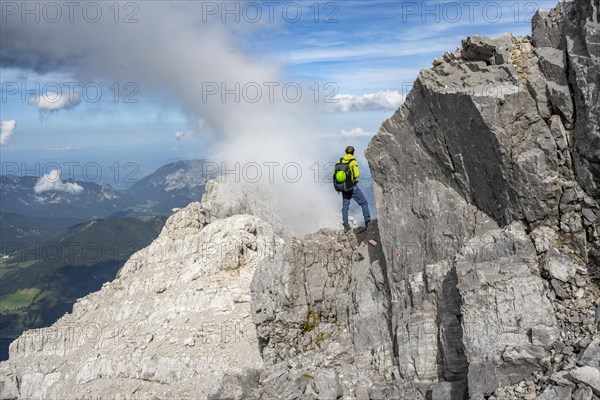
point(237, 131)
point(180, 135)
point(54, 101)
point(384, 100)
point(7, 128)
point(358, 131)
point(52, 182)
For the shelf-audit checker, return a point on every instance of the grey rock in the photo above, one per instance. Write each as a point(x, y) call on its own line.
point(441, 391)
point(544, 238)
point(131, 335)
point(377, 393)
point(478, 48)
point(581, 42)
point(555, 393)
point(589, 215)
point(510, 152)
point(235, 387)
point(562, 141)
point(583, 393)
point(544, 336)
point(484, 285)
point(558, 290)
point(547, 28)
point(559, 266)
point(320, 306)
point(589, 376)
point(552, 62)
point(562, 378)
point(560, 97)
point(327, 384)
point(591, 355)
point(553, 66)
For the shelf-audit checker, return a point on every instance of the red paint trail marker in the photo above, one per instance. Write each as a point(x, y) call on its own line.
point(373, 242)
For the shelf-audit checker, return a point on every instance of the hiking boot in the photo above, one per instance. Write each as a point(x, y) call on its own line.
point(347, 228)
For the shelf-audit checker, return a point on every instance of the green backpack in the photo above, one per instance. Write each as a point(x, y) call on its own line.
point(343, 180)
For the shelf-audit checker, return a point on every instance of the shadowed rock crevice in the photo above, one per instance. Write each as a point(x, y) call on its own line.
point(376, 257)
point(454, 364)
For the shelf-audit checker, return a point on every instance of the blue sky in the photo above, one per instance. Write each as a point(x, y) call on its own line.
point(361, 47)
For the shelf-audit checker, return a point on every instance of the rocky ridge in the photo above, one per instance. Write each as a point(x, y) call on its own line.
point(311, 323)
point(176, 317)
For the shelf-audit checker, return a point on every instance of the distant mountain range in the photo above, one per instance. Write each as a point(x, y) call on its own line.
point(173, 185)
point(29, 215)
point(18, 195)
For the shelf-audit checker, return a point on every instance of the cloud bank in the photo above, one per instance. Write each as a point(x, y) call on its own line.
point(203, 67)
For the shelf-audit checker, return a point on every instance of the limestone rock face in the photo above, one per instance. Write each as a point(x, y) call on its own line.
point(171, 325)
point(321, 309)
point(486, 182)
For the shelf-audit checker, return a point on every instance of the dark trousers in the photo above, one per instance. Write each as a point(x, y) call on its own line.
point(359, 197)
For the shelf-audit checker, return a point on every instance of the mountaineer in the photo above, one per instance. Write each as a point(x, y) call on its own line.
point(345, 179)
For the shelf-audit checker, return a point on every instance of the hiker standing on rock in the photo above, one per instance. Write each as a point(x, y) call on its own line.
point(345, 180)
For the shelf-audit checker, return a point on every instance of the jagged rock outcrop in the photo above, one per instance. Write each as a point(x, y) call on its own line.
point(487, 194)
point(322, 312)
point(173, 324)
